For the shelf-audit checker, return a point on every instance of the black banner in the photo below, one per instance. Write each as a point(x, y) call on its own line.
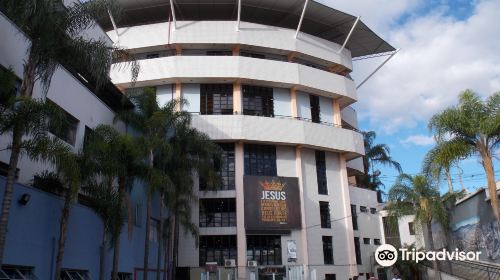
point(271, 203)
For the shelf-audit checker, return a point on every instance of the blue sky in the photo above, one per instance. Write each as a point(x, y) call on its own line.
point(447, 46)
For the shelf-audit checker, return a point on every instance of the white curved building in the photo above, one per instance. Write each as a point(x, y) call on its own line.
point(269, 80)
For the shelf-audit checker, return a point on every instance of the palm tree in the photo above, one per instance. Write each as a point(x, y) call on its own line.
point(106, 203)
point(374, 154)
point(155, 125)
point(471, 128)
point(193, 152)
point(436, 163)
point(414, 195)
point(55, 37)
point(114, 157)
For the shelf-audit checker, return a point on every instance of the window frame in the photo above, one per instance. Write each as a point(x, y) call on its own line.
point(211, 207)
point(216, 99)
point(260, 246)
point(208, 246)
point(260, 160)
point(71, 129)
point(321, 179)
point(257, 100)
point(354, 217)
point(357, 249)
point(327, 242)
point(324, 212)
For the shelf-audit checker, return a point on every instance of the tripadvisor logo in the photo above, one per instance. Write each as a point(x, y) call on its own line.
point(387, 255)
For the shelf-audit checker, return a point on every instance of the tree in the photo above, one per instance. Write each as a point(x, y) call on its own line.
point(155, 124)
point(436, 163)
point(55, 35)
point(471, 128)
point(193, 152)
point(414, 195)
point(115, 159)
point(374, 154)
point(105, 201)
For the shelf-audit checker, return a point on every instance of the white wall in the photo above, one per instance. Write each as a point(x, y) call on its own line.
point(191, 93)
point(224, 32)
point(326, 109)
point(303, 105)
point(282, 101)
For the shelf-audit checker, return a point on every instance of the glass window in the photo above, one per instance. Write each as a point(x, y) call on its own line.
point(376, 241)
point(216, 99)
point(124, 276)
point(218, 212)
point(258, 101)
point(68, 132)
point(265, 249)
point(217, 248)
point(363, 209)
point(357, 247)
point(314, 102)
point(327, 249)
point(70, 274)
point(330, 277)
point(324, 210)
point(321, 172)
point(366, 241)
point(411, 227)
point(260, 160)
point(373, 210)
point(227, 169)
point(354, 216)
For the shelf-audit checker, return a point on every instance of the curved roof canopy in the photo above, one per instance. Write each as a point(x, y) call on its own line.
point(319, 20)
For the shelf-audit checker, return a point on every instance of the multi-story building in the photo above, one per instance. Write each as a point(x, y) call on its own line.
point(269, 81)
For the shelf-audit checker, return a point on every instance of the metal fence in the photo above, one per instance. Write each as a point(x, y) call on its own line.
point(469, 270)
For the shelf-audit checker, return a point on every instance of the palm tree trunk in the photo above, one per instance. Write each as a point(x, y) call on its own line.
point(172, 245)
point(175, 249)
point(148, 223)
point(102, 263)
point(9, 188)
point(146, 240)
point(448, 178)
point(63, 227)
point(166, 253)
point(435, 264)
point(122, 183)
point(17, 135)
point(160, 239)
point(490, 178)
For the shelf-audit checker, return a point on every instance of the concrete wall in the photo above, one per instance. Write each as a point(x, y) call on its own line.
point(33, 232)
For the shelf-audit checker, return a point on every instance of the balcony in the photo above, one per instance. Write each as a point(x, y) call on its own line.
point(290, 132)
point(199, 69)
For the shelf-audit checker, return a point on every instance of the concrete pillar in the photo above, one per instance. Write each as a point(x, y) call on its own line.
point(241, 240)
point(293, 101)
point(303, 234)
point(337, 119)
point(349, 233)
point(237, 98)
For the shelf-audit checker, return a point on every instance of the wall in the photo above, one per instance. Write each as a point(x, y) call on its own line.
point(33, 232)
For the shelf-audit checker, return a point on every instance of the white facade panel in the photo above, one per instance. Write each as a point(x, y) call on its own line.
point(282, 101)
point(350, 116)
point(224, 32)
point(326, 109)
point(165, 93)
point(171, 69)
point(303, 105)
point(191, 93)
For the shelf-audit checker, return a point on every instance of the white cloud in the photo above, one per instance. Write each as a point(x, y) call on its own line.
point(418, 140)
point(440, 57)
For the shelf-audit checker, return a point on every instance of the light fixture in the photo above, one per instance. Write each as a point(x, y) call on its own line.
point(24, 199)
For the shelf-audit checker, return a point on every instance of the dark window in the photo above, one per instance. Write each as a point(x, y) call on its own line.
point(216, 99)
point(265, 249)
point(252, 54)
point(366, 241)
point(218, 212)
point(376, 242)
point(260, 160)
point(321, 172)
point(391, 231)
point(8, 91)
point(373, 210)
point(330, 277)
point(314, 102)
point(258, 101)
point(68, 132)
point(227, 169)
point(411, 227)
point(363, 209)
point(357, 248)
point(324, 210)
point(124, 276)
point(219, 53)
point(327, 249)
point(152, 55)
point(71, 274)
point(17, 272)
point(217, 248)
point(354, 216)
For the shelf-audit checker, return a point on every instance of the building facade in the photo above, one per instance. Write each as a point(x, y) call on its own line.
point(267, 80)
point(270, 82)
